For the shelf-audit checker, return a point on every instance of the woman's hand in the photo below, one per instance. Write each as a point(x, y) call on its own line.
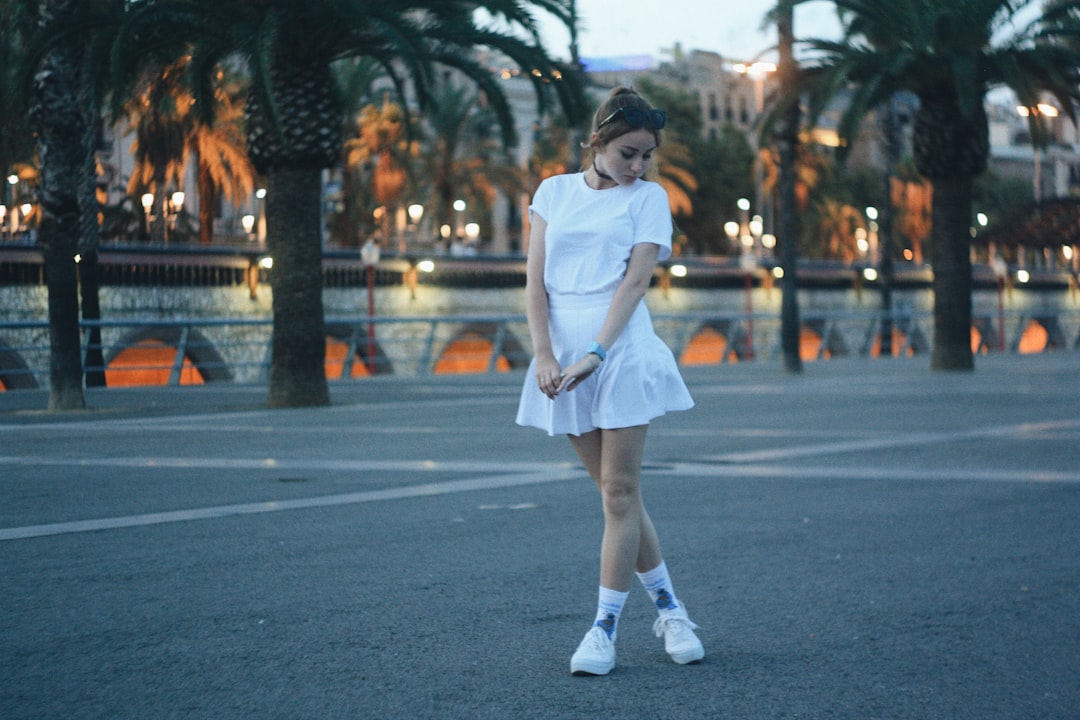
point(576, 373)
point(549, 376)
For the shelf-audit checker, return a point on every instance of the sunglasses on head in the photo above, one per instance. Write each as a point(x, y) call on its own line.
point(636, 118)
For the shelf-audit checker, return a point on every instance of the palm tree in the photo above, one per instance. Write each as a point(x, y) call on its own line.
point(169, 131)
point(949, 54)
point(156, 111)
point(64, 59)
point(223, 167)
point(912, 198)
point(836, 231)
point(294, 112)
point(61, 112)
point(786, 133)
point(464, 161)
point(384, 148)
point(358, 79)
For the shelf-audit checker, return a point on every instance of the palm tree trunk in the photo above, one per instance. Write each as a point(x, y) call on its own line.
point(952, 274)
point(294, 239)
point(157, 211)
point(89, 284)
point(60, 147)
point(788, 140)
point(207, 200)
point(890, 135)
point(89, 269)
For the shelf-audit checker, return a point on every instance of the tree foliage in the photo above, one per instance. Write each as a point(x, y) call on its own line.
point(295, 113)
point(949, 54)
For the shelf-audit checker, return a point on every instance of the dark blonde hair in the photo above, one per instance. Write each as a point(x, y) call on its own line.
point(620, 97)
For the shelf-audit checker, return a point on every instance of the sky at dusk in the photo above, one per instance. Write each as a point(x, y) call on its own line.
point(731, 28)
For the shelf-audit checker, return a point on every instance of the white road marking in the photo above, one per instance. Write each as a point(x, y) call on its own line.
point(552, 475)
point(1026, 430)
point(741, 465)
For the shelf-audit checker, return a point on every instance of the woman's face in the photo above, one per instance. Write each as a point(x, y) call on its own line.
point(626, 157)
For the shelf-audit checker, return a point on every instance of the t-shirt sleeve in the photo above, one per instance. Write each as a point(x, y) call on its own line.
point(541, 201)
point(653, 221)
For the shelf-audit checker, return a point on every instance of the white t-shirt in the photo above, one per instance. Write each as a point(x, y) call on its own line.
point(590, 233)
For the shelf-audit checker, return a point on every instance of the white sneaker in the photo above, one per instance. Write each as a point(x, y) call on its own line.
point(595, 655)
point(679, 639)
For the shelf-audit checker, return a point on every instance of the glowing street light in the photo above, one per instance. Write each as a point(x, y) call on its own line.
point(731, 229)
point(757, 72)
point(1001, 273)
point(369, 258)
point(1038, 110)
point(147, 204)
point(415, 213)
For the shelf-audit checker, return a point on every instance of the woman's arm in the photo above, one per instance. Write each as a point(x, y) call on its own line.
point(547, 368)
point(639, 272)
point(634, 285)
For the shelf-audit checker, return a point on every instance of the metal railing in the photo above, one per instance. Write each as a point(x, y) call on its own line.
point(175, 352)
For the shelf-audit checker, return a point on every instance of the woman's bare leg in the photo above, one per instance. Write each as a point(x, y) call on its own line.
point(613, 460)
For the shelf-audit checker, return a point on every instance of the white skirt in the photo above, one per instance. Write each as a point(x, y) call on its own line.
point(637, 382)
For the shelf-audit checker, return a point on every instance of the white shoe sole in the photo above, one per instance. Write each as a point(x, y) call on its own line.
point(689, 656)
point(581, 669)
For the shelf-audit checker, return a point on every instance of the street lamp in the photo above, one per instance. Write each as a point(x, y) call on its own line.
point(757, 72)
point(757, 226)
point(861, 242)
point(731, 229)
point(369, 258)
point(260, 221)
point(22, 217)
point(748, 262)
point(472, 232)
point(1038, 110)
point(872, 236)
point(416, 214)
point(12, 181)
point(445, 231)
point(459, 208)
point(744, 207)
point(745, 238)
point(147, 205)
point(176, 205)
point(1001, 272)
point(1072, 257)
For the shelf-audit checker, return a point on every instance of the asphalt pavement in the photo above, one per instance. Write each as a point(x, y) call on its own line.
point(866, 539)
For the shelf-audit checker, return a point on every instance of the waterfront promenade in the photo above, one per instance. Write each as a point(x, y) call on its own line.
point(865, 540)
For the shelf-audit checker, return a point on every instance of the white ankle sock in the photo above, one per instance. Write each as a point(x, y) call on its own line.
point(658, 583)
point(608, 608)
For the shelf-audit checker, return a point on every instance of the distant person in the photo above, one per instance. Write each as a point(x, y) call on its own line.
point(600, 373)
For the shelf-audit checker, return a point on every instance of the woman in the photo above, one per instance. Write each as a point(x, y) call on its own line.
point(600, 373)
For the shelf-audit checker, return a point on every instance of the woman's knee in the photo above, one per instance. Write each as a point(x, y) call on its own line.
point(622, 496)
